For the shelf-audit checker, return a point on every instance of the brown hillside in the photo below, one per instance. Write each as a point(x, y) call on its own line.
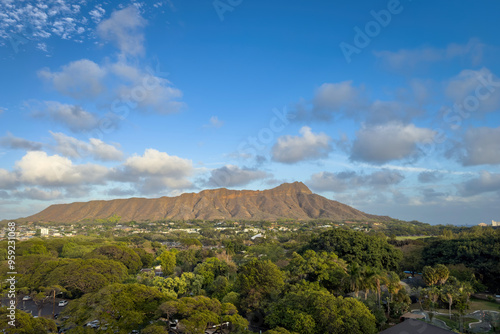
point(289, 200)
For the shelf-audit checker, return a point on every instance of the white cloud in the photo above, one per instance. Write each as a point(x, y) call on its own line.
point(155, 172)
point(97, 13)
point(481, 146)
point(337, 97)
point(309, 146)
point(409, 59)
point(73, 117)
point(26, 21)
point(474, 91)
point(146, 90)
point(15, 143)
point(344, 181)
point(124, 29)
point(74, 148)
point(39, 169)
point(81, 79)
point(393, 141)
point(154, 162)
point(345, 100)
point(233, 176)
point(486, 182)
point(7, 179)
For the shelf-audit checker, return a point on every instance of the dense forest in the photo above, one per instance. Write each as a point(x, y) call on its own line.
point(331, 281)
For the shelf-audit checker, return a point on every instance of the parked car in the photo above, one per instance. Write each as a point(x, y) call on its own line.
point(63, 303)
point(93, 324)
point(27, 298)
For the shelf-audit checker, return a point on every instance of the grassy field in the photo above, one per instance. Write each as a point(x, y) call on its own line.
point(479, 304)
point(412, 237)
point(453, 322)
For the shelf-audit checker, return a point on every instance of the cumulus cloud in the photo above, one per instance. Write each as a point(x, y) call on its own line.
point(154, 162)
point(343, 99)
point(81, 79)
point(71, 116)
point(485, 182)
point(38, 168)
point(393, 141)
point(336, 97)
point(308, 146)
point(481, 146)
point(474, 91)
point(343, 181)
point(233, 176)
point(96, 148)
point(409, 59)
point(7, 179)
point(145, 89)
point(38, 175)
point(155, 172)
point(16, 143)
point(124, 29)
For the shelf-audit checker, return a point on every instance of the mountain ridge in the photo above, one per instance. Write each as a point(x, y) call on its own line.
point(288, 200)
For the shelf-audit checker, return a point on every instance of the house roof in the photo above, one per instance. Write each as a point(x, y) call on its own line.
point(412, 326)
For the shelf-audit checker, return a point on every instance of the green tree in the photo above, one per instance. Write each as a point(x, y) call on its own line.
point(195, 314)
point(429, 276)
point(257, 280)
point(313, 310)
point(118, 253)
point(24, 323)
point(323, 267)
point(121, 306)
point(168, 261)
point(353, 246)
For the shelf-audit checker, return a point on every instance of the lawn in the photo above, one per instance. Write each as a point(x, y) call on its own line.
point(453, 322)
point(479, 304)
point(411, 237)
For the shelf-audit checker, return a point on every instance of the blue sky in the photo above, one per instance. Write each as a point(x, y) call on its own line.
point(389, 106)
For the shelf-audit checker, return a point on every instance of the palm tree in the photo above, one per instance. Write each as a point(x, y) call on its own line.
point(380, 277)
point(354, 278)
point(367, 280)
point(393, 284)
point(447, 295)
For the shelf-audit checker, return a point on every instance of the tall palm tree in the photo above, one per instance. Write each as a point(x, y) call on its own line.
point(379, 277)
point(354, 278)
point(367, 280)
point(393, 284)
point(447, 295)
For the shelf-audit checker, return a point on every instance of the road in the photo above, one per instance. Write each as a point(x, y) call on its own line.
point(29, 306)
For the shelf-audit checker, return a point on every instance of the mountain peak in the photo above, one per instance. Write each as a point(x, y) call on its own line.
point(288, 200)
point(295, 187)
